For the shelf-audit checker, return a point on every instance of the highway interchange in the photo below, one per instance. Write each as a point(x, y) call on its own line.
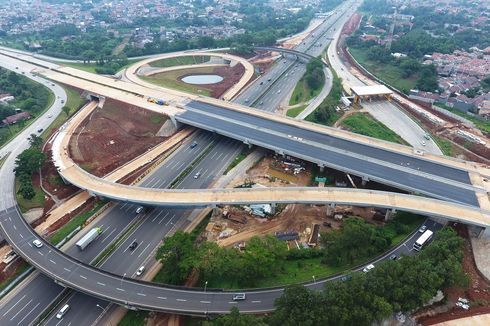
point(124, 213)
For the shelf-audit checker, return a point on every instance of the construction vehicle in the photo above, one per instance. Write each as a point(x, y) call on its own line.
point(88, 238)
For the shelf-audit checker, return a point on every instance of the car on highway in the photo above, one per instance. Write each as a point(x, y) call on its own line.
point(423, 143)
point(140, 209)
point(261, 83)
point(197, 175)
point(194, 144)
point(393, 257)
point(140, 271)
point(422, 229)
point(368, 268)
point(40, 130)
point(62, 311)
point(50, 115)
point(239, 296)
point(261, 102)
point(62, 101)
point(133, 245)
point(37, 243)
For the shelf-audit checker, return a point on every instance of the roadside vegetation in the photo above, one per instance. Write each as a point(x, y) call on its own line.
point(365, 124)
point(267, 261)
point(293, 113)
point(326, 113)
point(27, 164)
point(310, 84)
point(180, 61)
point(240, 157)
point(367, 298)
point(30, 97)
point(483, 125)
point(445, 145)
point(108, 66)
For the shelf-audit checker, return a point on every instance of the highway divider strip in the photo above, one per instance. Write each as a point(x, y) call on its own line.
point(53, 305)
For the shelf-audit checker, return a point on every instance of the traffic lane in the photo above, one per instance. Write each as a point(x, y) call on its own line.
point(366, 150)
point(215, 162)
point(340, 161)
point(29, 302)
point(80, 304)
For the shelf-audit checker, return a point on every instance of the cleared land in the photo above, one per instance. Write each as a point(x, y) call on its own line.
point(390, 74)
point(180, 61)
point(173, 79)
point(113, 136)
point(365, 124)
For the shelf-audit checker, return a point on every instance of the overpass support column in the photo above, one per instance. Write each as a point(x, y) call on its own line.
point(364, 181)
point(330, 210)
point(389, 214)
point(273, 208)
point(215, 210)
point(321, 167)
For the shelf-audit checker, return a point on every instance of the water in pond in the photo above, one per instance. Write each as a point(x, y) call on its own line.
point(202, 79)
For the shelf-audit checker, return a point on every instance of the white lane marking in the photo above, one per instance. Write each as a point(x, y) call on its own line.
point(15, 305)
point(101, 283)
point(20, 322)
point(256, 301)
point(232, 302)
point(41, 253)
point(119, 289)
point(163, 298)
point(20, 310)
point(15, 228)
point(141, 294)
point(214, 154)
point(21, 235)
point(169, 221)
point(107, 236)
point(219, 156)
point(66, 269)
point(59, 322)
point(144, 249)
point(181, 300)
point(52, 261)
point(123, 205)
point(157, 216)
point(205, 301)
point(83, 277)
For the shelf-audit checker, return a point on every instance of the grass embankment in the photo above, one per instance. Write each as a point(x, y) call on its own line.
point(389, 73)
point(325, 113)
point(365, 124)
point(179, 61)
point(445, 145)
point(21, 269)
point(171, 79)
point(27, 204)
point(240, 157)
point(75, 222)
point(92, 66)
point(303, 93)
point(293, 113)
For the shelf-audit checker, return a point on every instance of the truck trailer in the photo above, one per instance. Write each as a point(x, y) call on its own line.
point(88, 238)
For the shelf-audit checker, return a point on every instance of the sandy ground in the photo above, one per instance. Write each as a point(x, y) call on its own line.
point(298, 38)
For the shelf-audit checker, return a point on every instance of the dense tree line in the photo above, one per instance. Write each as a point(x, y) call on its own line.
point(26, 164)
point(314, 76)
point(29, 96)
point(326, 110)
point(366, 298)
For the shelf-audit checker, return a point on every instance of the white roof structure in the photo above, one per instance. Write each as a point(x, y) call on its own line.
point(371, 90)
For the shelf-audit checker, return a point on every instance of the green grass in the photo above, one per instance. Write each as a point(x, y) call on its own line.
point(179, 61)
point(74, 223)
point(303, 93)
point(445, 145)
point(364, 124)
point(90, 67)
point(331, 101)
point(27, 204)
point(293, 113)
point(74, 102)
point(480, 124)
point(3, 159)
point(240, 157)
point(134, 318)
point(156, 119)
point(389, 73)
point(171, 79)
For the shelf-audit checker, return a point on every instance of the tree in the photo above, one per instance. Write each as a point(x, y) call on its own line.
point(66, 110)
point(428, 79)
point(29, 161)
point(27, 191)
point(234, 318)
point(35, 141)
point(177, 254)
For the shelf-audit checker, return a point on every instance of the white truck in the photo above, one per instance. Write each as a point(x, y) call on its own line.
point(88, 238)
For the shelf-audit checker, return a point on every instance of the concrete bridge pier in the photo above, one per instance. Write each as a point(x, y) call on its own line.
point(330, 210)
point(215, 210)
point(321, 167)
point(365, 180)
point(389, 214)
point(273, 208)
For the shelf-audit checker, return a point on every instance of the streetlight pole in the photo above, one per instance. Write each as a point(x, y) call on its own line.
point(205, 286)
point(103, 312)
point(314, 281)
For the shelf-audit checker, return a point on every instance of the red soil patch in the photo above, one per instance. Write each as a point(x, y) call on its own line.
point(114, 135)
point(352, 24)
